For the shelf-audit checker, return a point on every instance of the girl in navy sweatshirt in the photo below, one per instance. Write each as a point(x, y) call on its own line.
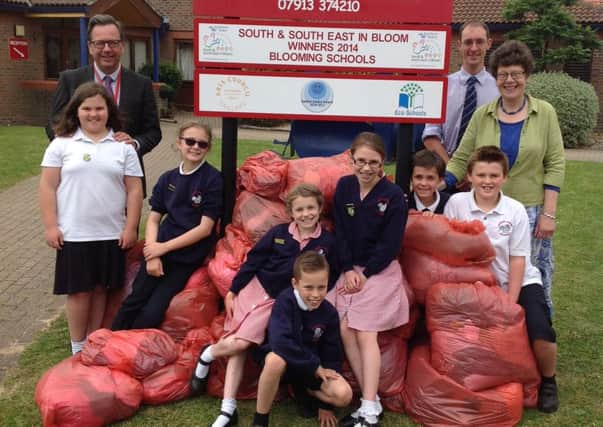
point(266, 272)
point(370, 216)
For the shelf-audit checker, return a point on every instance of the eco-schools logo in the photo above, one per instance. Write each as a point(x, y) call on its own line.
point(411, 101)
point(217, 43)
point(317, 96)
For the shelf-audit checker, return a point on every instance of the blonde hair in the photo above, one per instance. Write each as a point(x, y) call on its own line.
point(196, 125)
point(304, 190)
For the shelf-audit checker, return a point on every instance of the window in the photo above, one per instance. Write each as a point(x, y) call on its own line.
point(185, 59)
point(136, 53)
point(62, 53)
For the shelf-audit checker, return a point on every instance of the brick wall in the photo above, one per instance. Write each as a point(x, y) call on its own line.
point(22, 106)
point(180, 13)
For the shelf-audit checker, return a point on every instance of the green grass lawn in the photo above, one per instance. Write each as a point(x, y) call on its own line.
point(21, 151)
point(578, 321)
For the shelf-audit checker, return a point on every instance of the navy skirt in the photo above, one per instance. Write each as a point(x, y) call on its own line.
point(81, 266)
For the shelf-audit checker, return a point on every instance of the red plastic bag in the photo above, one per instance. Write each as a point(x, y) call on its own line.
point(452, 242)
point(478, 338)
point(220, 270)
point(116, 297)
point(238, 244)
point(217, 326)
point(424, 271)
point(433, 399)
point(256, 215)
point(393, 348)
point(323, 172)
point(199, 279)
point(264, 174)
point(190, 309)
point(172, 382)
point(73, 394)
point(138, 352)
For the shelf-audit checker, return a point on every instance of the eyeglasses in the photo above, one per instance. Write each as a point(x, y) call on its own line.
point(204, 145)
point(100, 44)
point(515, 75)
point(373, 164)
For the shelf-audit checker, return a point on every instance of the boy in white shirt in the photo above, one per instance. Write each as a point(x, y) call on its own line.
point(507, 226)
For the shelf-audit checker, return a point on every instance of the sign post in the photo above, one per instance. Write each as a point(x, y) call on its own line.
point(342, 60)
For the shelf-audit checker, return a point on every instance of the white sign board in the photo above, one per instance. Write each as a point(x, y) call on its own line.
point(318, 46)
point(316, 97)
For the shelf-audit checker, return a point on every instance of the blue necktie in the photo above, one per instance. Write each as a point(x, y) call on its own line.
point(107, 80)
point(468, 107)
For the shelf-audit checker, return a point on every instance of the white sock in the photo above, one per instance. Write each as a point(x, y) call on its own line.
point(228, 406)
point(369, 409)
point(202, 370)
point(77, 346)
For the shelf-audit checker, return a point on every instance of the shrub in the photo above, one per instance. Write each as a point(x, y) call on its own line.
point(575, 101)
point(168, 74)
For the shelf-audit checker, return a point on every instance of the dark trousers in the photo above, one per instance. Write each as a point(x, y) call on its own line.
point(145, 307)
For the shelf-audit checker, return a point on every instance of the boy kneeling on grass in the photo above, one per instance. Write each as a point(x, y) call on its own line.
point(508, 228)
point(303, 346)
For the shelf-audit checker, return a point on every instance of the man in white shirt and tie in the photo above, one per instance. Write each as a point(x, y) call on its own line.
point(468, 88)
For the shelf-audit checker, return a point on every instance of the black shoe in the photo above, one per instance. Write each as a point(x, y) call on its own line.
point(548, 399)
point(233, 419)
point(362, 422)
point(348, 421)
point(199, 385)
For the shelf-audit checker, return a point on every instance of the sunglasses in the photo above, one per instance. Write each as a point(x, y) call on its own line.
point(204, 145)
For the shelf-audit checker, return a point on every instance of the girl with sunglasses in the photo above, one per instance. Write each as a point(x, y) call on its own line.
point(180, 233)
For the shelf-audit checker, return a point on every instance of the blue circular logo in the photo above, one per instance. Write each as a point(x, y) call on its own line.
point(317, 96)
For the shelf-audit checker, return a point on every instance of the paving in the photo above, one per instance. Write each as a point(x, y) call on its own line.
point(27, 304)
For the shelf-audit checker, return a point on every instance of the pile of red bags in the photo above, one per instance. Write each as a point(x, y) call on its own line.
point(479, 339)
point(433, 399)
point(436, 249)
point(115, 372)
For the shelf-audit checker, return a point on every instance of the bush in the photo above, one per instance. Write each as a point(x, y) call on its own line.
point(168, 74)
point(575, 101)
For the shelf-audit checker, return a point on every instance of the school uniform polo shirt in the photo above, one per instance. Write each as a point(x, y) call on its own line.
point(91, 196)
point(508, 228)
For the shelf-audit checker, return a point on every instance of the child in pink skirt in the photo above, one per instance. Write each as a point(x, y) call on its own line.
point(370, 216)
point(266, 272)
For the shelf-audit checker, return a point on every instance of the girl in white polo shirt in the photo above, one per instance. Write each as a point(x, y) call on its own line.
point(90, 199)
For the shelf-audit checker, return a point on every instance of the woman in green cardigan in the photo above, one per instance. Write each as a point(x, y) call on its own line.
point(527, 130)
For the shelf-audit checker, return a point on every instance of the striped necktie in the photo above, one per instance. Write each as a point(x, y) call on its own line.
point(468, 107)
point(107, 81)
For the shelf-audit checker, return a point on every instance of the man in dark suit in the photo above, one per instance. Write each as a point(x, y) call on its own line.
point(132, 92)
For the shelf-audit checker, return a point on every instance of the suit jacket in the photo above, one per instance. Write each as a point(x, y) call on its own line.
point(136, 105)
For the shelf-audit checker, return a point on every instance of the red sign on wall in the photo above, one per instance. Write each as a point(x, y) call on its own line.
point(403, 11)
point(18, 49)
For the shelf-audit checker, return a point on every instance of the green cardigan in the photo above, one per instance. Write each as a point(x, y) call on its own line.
point(540, 160)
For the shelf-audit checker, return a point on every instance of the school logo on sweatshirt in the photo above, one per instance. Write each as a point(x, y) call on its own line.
point(350, 209)
point(382, 206)
point(319, 330)
point(196, 199)
point(320, 250)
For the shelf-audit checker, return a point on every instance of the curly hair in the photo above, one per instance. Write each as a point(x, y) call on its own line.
point(69, 120)
point(512, 52)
